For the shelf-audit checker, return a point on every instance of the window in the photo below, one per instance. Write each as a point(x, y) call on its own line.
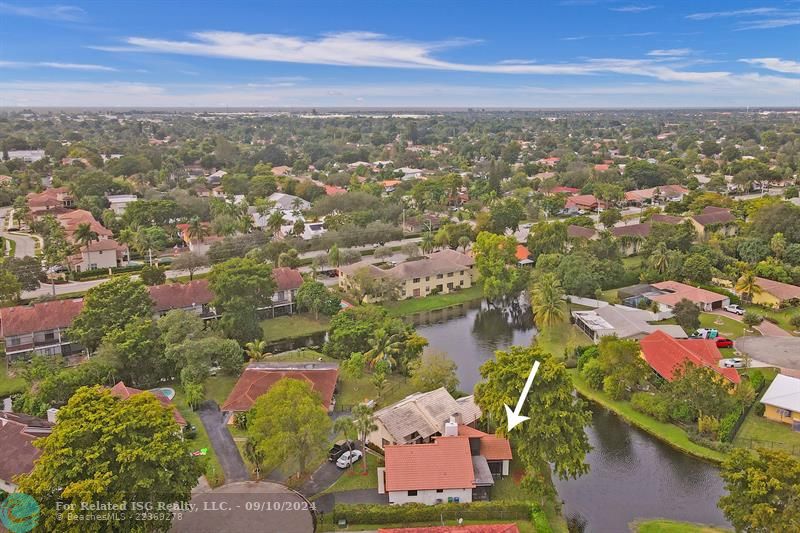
point(449, 274)
point(439, 276)
point(412, 493)
point(439, 491)
point(427, 278)
point(416, 280)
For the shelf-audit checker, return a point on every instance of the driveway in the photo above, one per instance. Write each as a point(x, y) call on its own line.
point(783, 352)
point(222, 441)
point(322, 478)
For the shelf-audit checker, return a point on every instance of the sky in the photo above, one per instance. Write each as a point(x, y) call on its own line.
point(408, 53)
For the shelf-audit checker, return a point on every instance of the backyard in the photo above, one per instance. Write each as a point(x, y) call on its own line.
point(438, 301)
point(290, 327)
point(759, 431)
point(8, 384)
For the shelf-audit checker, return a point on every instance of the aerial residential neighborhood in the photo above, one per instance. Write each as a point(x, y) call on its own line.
point(435, 268)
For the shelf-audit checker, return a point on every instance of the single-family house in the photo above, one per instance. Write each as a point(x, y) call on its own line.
point(582, 233)
point(460, 466)
point(549, 161)
point(28, 156)
point(713, 219)
point(17, 433)
point(523, 256)
point(661, 218)
point(631, 237)
point(669, 293)
point(287, 282)
point(50, 198)
point(623, 321)
point(667, 355)
point(40, 329)
point(258, 378)
point(782, 401)
point(424, 222)
point(776, 294)
point(441, 272)
point(662, 193)
point(122, 391)
point(420, 417)
point(119, 202)
point(582, 202)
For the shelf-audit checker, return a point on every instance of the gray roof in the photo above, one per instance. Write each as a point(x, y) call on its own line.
point(440, 262)
point(625, 322)
point(424, 413)
point(480, 468)
point(285, 202)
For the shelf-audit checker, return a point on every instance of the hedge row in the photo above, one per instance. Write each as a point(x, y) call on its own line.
point(100, 273)
point(418, 512)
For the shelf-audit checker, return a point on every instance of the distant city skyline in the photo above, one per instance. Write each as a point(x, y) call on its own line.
point(358, 54)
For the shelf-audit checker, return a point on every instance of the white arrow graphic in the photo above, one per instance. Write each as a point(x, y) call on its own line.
point(514, 418)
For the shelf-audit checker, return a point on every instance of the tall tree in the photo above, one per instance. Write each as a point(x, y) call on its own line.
point(687, 315)
point(763, 491)
point(288, 424)
point(84, 236)
point(241, 286)
point(747, 285)
point(553, 436)
point(547, 299)
point(191, 262)
point(106, 449)
point(108, 306)
point(363, 417)
point(495, 259)
point(316, 297)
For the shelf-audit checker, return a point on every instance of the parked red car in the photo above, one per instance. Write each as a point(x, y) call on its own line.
point(723, 342)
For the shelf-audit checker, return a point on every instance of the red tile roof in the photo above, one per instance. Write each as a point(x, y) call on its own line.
point(287, 278)
point(446, 463)
point(494, 448)
point(256, 381)
point(74, 218)
point(565, 190)
point(180, 295)
point(601, 167)
point(666, 355)
point(522, 253)
point(19, 453)
point(587, 201)
point(679, 291)
point(781, 291)
point(472, 528)
point(43, 316)
point(120, 390)
point(47, 198)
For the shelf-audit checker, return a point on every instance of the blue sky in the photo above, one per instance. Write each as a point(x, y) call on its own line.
point(567, 53)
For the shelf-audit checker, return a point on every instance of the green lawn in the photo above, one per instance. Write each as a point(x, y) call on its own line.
point(669, 433)
point(355, 478)
point(289, 327)
point(302, 355)
point(9, 385)
point(671, 526)
point(214, 473)
point(525, 526)
point(633, 262)
point(728, 327)
point(438, 301)
point(219, 387)
point(779, 316)
point(555, 339)
point(779, 436)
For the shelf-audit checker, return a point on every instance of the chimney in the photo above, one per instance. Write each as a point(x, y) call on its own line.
point(451, 428)
point(52, 415)
point(7, 408)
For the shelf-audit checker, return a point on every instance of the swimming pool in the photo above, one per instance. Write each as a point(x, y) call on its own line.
point(166, 391)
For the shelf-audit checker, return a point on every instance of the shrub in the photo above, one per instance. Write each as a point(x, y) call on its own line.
point(614, 388)
point(757, 380)
point(760, 408)
point(695, 437)
point(418, 512)
point(752, 319)
point(795, 321)
point(727, 425)
point(592, 372)
point(708, 426)
point(586, 354)
point(651, 404)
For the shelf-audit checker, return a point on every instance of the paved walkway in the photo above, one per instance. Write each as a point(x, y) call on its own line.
point(227, 453)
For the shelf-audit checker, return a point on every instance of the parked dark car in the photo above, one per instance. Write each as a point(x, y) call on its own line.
point(723, 342)
point(339, 448)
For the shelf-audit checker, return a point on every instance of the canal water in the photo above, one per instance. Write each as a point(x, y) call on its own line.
point(633, 476)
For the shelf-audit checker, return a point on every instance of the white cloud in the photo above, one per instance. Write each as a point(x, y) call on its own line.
point(52, 12)
point(733, 13)
point(773, 63)
point(363, 49)
point(671, 52)
point(56, 65)
point(787, 19)
point(632, 8)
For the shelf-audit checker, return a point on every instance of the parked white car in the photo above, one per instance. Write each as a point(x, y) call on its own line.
point(735, 309)
point(349, 458)
point(733, 363)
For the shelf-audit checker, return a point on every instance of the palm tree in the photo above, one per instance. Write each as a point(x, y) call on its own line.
point(385, 347)
point(256, 350)
point(427, 243)
point(275, 221)
point(347, 427)
point(127, 236)
point(547, 301)
point(334, 256)
point(659, 259)
point(464, 242)
point(362, 417)
point(84, 236)
point(197, 230)
point(748, 286)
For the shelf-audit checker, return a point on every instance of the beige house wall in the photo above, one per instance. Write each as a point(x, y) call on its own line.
point(771, 412)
